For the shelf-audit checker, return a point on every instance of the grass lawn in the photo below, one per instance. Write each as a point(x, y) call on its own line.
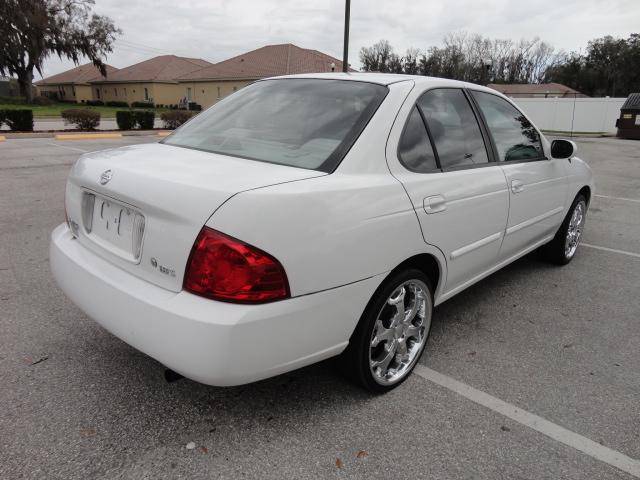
point(53, 111)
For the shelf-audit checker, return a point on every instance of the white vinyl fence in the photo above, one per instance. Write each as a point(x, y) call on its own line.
point(584, 115)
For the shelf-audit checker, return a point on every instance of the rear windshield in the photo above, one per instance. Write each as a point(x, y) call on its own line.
point(306, 123)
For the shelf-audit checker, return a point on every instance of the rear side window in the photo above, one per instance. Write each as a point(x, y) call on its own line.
point(415, 149)
point(453, 127)
point(306, 123)
point(514, 136)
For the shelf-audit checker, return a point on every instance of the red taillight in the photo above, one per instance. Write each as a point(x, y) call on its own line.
point(224, 268)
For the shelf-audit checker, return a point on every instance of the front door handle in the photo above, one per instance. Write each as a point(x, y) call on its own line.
point(517, 186)
point(434, 204)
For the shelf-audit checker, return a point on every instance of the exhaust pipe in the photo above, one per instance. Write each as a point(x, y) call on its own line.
point(170, 376)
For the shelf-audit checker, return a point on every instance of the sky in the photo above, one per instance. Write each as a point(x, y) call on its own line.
point(218, 29)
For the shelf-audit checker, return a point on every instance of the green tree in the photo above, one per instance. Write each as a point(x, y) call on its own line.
point(610, 66)
point(33, 30)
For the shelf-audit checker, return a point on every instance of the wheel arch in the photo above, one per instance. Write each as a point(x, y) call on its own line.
point(586, 192)
point(426, 263)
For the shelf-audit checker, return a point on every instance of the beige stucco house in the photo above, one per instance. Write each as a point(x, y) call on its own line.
point(208, 85)
point(73, 85)
point(170, 80)
point(154, 80)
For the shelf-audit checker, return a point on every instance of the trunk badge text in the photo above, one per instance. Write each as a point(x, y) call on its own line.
point(167, 271)
point(105, 177)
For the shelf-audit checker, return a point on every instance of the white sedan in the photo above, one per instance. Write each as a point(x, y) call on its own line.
point(311, 216)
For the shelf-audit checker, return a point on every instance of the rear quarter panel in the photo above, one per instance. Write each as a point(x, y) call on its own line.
point(338, 229)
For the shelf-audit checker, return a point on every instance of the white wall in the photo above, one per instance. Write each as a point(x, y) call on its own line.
point(591, 114)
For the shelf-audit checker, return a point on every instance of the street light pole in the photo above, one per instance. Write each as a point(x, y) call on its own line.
point(345, 51)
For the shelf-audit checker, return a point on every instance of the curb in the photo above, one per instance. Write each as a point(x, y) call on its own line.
point(52, 133)
point(87, 136)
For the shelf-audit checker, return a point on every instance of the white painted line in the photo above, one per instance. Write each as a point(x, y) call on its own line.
point(618, 198)
point(539, 424)
point(606, 249)
point(70, 148)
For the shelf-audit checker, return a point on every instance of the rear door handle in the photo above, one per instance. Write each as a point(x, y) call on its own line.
point(517, 186)
point(434, 204)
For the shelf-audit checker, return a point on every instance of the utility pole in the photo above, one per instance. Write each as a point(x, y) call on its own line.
point(345, 51)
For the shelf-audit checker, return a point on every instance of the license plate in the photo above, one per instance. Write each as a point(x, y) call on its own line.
point(113, 225)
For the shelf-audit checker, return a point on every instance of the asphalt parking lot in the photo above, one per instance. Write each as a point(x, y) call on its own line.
point(533, 373)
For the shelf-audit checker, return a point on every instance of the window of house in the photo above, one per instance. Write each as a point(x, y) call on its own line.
point(115, 91)
point(98, 93)
point(125, 91)
point(415, 149)
point(235, 89)
point(73, 90)
point(453, 127)
point(188, 94)
point(514, 136)
point(218, 93)
point(146, 93)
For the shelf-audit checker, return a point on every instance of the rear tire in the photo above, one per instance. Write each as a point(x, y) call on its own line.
point(564, 245)
point(392, 333)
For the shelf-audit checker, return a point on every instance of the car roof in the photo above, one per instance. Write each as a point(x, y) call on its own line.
point(385, 78)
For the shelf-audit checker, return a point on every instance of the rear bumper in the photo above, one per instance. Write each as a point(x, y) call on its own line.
point(208, 341)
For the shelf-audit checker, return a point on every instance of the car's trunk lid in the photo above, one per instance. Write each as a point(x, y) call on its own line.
point(141, 207)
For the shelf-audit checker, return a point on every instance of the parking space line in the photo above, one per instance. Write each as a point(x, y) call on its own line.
point(70, 148)
point(613, 250)
point(622, 199)
point(539, 424)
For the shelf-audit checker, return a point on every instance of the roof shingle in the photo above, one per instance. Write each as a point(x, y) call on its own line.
point(82, 74)
point(268, 61)
point(164, 68)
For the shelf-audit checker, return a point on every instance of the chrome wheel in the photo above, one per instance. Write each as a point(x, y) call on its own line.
point(574, 229)
point(400, 332)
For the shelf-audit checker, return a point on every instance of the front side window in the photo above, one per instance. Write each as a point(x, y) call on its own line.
point(415, 150)
point(453, 127)
point(514, 136)
point(307, 123)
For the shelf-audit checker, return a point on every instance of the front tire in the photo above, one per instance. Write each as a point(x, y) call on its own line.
point(392, 332)
point(564, 245)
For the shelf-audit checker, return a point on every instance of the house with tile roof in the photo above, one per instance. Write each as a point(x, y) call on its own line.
point(72, 85)
point(210, 84)
point(536, 90)
point(169, 80)
point(154, 80)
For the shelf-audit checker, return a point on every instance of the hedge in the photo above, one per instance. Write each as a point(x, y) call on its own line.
point(130, 119)
point(20, 120)
point(145, 119)
point(82, 118)
point(115, 103)
point(95, 103)
point(125, 120)
point(141, 105)
point(194, 106)
point(174, 118)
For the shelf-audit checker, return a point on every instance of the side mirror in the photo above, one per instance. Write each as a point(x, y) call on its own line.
point(563, 149)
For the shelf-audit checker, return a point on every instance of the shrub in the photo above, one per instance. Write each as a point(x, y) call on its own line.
point(95, 103)
point(194, 107)
point(12, 100)
point(83, 118)
point(174, 118)
point(40, 100)
point(20, 120)
point(144, 119)
point(116, 103)
point(141, 105)
point(125, 119)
